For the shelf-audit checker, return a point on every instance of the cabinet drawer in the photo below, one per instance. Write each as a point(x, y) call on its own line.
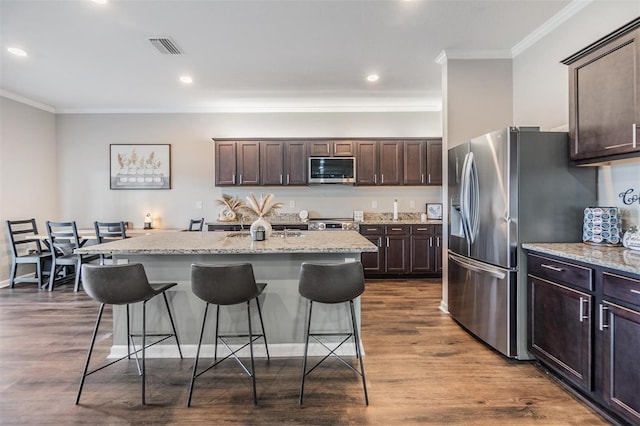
point(422, 229)
point(396, 230)
point(622, 288)
point(223, 228)
point(558, 271)
point(371, 229)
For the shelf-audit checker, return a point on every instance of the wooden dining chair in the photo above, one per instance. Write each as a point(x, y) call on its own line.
point(109, 231)
point(26, 249)
point(63, 239)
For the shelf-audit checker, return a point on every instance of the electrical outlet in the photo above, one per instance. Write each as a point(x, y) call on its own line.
point(292, 204)
point(412, 204)
point(198, 204)
point(374, 204)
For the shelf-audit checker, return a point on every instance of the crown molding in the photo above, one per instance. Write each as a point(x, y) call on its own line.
point(550, 25)
point(19, 98)
point(446, 55)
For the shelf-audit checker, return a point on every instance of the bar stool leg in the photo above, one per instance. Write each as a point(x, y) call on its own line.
point(253, 367)
point(144, 345)
point(195, 364)
point(215, 341)
point(264, 335)
point(173, 326)
point(306, 349)
point(354, 326)
point(93, 341)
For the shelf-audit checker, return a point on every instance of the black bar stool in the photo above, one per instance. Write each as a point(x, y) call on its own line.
point(124, 285)
point(227, 285)
point(332, 283)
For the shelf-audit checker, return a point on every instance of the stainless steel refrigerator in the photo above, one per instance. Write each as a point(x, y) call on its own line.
point(508, 187)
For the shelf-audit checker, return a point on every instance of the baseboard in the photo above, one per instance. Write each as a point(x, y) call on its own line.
point(276, 350)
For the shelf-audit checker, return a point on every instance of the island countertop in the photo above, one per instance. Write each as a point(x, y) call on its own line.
point(235, 243)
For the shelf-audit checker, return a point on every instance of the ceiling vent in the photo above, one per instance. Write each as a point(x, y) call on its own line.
point(166, 46)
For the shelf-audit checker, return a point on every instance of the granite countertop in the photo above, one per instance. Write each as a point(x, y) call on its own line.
point(618, 258)
point(235, 243)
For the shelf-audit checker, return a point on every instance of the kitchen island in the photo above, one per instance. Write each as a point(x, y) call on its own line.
point(167, 257)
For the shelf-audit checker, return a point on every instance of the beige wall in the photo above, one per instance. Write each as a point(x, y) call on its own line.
point(28, 169)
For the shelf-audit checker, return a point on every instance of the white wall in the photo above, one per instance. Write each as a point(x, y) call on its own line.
point(540, 89)
point(28, 169)
point(83, 142)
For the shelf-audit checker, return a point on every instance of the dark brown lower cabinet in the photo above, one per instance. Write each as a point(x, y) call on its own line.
point(403, 250)
point(584, 325)
point(560, 329)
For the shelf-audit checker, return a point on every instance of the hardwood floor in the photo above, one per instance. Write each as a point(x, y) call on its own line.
point(421, 369)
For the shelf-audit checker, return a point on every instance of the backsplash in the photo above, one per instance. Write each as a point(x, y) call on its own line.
point(619, 186)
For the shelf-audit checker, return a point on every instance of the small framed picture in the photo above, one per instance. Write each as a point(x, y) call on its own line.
point(434, 211)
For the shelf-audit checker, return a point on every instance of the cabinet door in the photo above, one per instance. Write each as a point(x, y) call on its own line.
point(560, 329)
point(434, 162)
point(295, 163)
point(373, 262)
point(320, 149)
point(390, 162)
point(366, 163)
point(422, 253)
point(343, 149)
point(225, 163)
point(271, 163)
point(396, 254)
point(415, 162)
point(604, 100)
point(248, 163)
point(621, 377)
point(437, 252)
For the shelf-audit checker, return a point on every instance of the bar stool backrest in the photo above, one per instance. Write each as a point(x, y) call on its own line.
point(196, 224)
point(224, 284)
point(331, 283)
point(117, 284)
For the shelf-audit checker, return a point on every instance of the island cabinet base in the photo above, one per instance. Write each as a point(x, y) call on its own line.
point(284, 311)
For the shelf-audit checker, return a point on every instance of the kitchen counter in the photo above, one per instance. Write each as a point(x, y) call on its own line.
point(236, 243)
point(167, 257)
point(618, 258)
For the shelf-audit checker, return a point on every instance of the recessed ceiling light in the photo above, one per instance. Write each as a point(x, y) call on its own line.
point(17, 51)
point(373, 77)
point(186, 79)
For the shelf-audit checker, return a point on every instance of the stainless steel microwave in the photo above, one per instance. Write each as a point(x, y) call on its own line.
point(332, 170)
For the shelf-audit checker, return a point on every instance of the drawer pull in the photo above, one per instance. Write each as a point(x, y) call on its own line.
point(396, 229)
point(602, 314)
point(372, 229)
point(582, 315)
point(422, 229)
point(635, 291)
point(553, 268)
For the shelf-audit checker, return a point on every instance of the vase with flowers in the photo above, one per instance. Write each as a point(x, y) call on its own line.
point(262, 208)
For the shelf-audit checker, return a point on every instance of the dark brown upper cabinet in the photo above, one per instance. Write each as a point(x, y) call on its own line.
point(422, 162)
point(283, 163)
point(331, 148)
point(237, 163)
point(604, 98)
point(379, 162)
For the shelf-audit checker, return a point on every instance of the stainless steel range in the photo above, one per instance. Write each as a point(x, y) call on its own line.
point(333, 225)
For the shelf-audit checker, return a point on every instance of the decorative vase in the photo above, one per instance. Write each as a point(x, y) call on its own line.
point(260, 221)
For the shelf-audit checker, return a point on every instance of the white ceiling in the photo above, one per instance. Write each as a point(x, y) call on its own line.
point(252, 54)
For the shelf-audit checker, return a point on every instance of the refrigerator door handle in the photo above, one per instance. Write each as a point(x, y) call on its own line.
point(469, 198)
point(477, 267)
point(464, 196)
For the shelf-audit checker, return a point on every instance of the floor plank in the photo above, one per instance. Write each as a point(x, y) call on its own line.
point(421, 369)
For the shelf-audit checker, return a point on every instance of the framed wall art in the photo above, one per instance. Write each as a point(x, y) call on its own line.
point(140, 166)
point(434, 211)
